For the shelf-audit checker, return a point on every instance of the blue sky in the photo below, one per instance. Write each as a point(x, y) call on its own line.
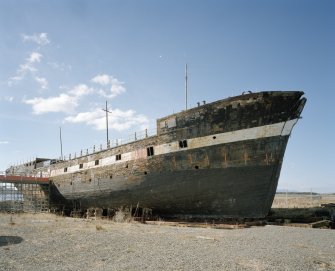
point(61, 60)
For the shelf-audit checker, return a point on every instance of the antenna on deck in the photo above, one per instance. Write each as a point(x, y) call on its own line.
point(186, 86)
point(106, 110)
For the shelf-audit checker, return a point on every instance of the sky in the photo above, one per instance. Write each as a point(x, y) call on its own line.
point(60, 61)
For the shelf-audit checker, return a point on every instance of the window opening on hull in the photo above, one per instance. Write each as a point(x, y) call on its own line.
point(183, 144)
point(96, 162)
point(81, 165)
point(118, 157)
point(65, 169)
point(150, 151)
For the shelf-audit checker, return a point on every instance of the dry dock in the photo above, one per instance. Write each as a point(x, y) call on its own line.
point(49, 242)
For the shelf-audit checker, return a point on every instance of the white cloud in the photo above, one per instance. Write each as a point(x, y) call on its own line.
point(29, 65)
point(123, 120)
point(115, 86)
point(9, 98)
point(41, 38)
point(63, 103)
point(94, 118)
point(34, 57)
point(4, 142)
point(118, 120)
point(81, 90)
point(14, 79)
point(102, 79)
point(43, 82)
point(60, 66)
point(26, 68)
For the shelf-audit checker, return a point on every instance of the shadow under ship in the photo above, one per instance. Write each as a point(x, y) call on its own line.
point(221, 159)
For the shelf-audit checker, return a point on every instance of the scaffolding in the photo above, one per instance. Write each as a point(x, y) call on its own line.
point(23, 194)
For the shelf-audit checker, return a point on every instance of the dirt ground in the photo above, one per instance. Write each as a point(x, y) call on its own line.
point(49, 242)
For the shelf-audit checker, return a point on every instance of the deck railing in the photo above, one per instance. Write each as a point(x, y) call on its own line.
point(111, 144)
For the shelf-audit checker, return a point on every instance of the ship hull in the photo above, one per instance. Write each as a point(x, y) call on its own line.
point(202, 182)
point(205, 193)
point(221, 159)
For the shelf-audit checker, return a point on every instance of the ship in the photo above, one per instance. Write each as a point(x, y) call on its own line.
point(216, 160)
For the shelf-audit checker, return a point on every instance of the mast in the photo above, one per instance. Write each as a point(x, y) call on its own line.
point(186, 86)
point(106, 110)
point(107, 121)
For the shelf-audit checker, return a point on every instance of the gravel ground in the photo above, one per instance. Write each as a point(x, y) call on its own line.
point(49, 242)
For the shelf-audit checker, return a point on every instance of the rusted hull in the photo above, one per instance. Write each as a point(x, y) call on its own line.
point(232, 192)
point(199, 183)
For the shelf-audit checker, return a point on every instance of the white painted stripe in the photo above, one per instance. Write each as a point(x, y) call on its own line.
point(281, 128)
point(287, 129)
